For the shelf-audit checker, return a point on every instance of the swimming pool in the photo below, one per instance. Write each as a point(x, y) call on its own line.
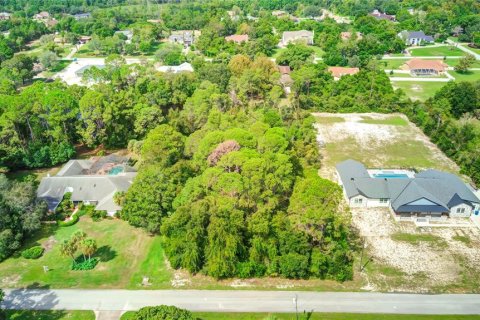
point(115, 170)
point(391, 175)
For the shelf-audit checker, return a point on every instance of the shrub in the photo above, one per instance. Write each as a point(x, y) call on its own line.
point(33, 252)
point(82, 265)
point(98, 215)
point(69, 223)
point(163, 313)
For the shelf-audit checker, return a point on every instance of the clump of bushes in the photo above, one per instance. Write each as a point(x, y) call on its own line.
point(70, 222)
point(98, 215)
point(163, 312)
point(82, 265)
point(33, 252)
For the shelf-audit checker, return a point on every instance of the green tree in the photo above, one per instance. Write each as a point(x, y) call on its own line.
point(163, 313)
point(163, 146)
point(465, 63)
point(88, 247)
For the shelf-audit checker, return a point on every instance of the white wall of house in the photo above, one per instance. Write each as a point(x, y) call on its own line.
point(373, 203)
point(358, 202)
point(462, 210)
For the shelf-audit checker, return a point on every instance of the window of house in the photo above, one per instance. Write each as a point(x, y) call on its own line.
point(383, 200)
point(357, 200)
point(460, 210)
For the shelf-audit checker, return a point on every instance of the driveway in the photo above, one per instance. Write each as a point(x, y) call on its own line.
point(464, 49)
point(242, 301)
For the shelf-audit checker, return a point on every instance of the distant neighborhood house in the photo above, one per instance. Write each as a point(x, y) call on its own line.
point(338, 72)
point(297, 36)
point(279, 13)
point(81, 16)
point(420, 67)
point(5, 16)
point(237, 38)
point(382, 16)
point(93, 182)
point(184, 37)
point(285, 78)
point(184, 67)
point(430, 194)
point(346, 35)
point(415, 38)
point(41, 16)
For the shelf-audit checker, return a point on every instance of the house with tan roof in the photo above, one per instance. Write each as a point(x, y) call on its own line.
point(285, 78)
point(297, 36)
point(41, 16)
point(279, 13)
point(420, 67)
point(338, 72)
point(237, 38)
point(5, 16)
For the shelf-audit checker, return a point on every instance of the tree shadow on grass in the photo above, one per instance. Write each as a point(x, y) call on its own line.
point(24, 303)
point(105, 253)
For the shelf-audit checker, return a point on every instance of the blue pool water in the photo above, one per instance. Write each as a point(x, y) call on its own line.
point(115, 170)
point(391, 175)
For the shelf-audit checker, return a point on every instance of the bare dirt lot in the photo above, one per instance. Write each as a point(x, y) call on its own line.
point(406, 258)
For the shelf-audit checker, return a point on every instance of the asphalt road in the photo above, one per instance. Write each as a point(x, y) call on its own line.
point(242, 301)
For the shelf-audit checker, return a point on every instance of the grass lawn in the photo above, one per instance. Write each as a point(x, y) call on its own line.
point(277, 52)
point(416, 239)
point(318, 51)
point(50, 315)
point(468, 76)
point(418, 90)
point(320, 316)
point(35, 174)
point(436, 51)
point(327, 120)
point(122, 250)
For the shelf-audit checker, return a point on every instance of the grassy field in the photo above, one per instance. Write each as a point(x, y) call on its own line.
point(468, 76)
point(418, 90)
point(50, 315)
point(124, 252)
point(436, 51)
point(393, 121)
point(416, 239)
point(320, 316)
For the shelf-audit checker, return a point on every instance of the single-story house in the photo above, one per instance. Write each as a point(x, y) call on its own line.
point(237, 38)
point(420, 67)
point(93, 182)
point(294, 36)
point(84, 39)
point(233, 15)
point(415, 38)
point(184, 67)
point(285, 78)
point(5, 16)
point(80, 16)
point(382, 16)
point(128, 34)
point(184, 37)
point(338, 72)
point(427, 194)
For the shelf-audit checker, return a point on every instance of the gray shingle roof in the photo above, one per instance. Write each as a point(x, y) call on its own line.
point(85, 184)
point(442, 190)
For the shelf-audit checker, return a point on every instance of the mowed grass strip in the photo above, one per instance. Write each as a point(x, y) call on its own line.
point(329, 120)
point(49, 315)
point(449, 51)
point(122, 250)
point(392, 121)
point(320, 316)
point(418, 90)
point(416, 239)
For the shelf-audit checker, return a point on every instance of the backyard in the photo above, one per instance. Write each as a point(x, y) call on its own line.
point(418, 90)
point(126, 254)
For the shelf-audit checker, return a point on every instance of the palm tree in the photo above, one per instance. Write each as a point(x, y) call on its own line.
point(68, 249)
point(77, 239)
point(89, 246)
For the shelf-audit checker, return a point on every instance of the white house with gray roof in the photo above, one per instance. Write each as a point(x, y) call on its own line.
point(427, 194)
point(415, 38)
point(92, 182)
